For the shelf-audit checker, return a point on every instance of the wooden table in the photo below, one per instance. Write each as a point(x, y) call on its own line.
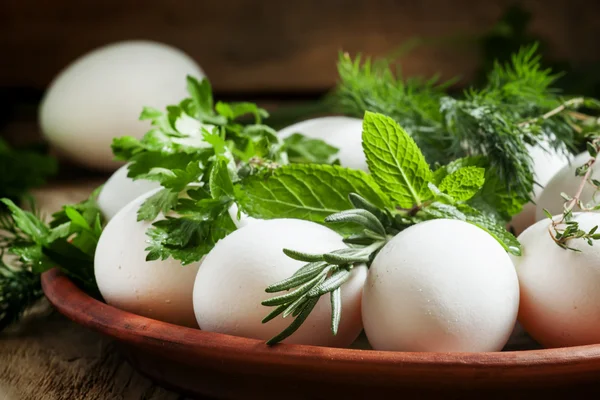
point(47, 357)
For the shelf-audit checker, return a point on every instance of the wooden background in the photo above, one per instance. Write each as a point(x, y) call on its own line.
point(276, 46)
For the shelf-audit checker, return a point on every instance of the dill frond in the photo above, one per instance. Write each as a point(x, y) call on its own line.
point(498, 120)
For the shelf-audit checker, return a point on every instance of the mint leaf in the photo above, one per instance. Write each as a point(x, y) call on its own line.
point(220, 181)
point(494, 198)
point(302, 149)
point(463, 183)
point(395, 161)
point(498, 231)
point(305, 191)
point(463, 212)
point(162, 201)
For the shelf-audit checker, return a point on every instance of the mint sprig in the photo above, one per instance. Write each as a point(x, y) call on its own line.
point(395, 161)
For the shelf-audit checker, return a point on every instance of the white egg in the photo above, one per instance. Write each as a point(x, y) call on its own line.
point(560, 289)
point(160, 290)
point(230, 285)
point(565, 181)
point(242, 219)
point(546, 163)
point(101, 95)
point(345, 133)
point(441, 285)
point(119, 190)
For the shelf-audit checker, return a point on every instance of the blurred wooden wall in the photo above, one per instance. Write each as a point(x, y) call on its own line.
point(274, 45)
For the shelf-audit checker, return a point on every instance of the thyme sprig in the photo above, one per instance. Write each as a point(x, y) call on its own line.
point(565, 228)
point(327, 272)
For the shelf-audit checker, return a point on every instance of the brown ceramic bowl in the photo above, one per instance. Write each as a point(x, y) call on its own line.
point(213, 365)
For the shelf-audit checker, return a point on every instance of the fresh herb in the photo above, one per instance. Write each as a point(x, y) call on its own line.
point(402, 191)
point(197, 150)
point(497, 121)
point(29, 246)
point(566, 228)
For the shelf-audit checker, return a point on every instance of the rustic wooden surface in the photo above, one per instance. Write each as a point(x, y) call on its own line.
point(274, 45)
point(47, 357)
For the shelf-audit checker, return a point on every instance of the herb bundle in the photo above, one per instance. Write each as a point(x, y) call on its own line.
point(517, 108)
point(430, 156)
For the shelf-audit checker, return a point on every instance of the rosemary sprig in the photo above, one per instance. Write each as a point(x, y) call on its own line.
point(326, 273)
point(565, 228)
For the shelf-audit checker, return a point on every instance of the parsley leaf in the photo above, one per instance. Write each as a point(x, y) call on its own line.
point(188, 238)
point(220, 182)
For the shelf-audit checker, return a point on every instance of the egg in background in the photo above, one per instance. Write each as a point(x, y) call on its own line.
point(546, 163)
point(101, 94)
point(345, 133)
point(566, 181)
point(119, 190)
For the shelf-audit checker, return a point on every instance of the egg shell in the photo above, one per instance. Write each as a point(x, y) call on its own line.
point(119, 190)
point(441, 285)
point(546, 163)
point(243, 219)
point(102, 93)
point(160, 290)
point(345, 133)
point(560, 289)
point(565, 181)
point(230, 285)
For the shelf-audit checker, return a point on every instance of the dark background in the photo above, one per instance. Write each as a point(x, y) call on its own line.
point(284, 52)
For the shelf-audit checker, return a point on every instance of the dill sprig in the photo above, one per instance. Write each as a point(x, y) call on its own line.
point(518, 107)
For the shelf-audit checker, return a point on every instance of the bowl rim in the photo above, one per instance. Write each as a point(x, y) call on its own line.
point(134, 329)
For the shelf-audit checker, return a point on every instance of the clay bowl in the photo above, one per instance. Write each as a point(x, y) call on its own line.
point(212, 365)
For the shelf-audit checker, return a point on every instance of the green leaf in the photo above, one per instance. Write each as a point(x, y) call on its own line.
point(232, 111)
point(463, 183)
point(76, 218)
point(494, 197)
point(150, 113)
point(463, 212)
point(201, 94)
point(336, 309)
point(395, 161)
point(305, 191)
point(302, 149)
point(220, 181)
point(30, 224)
point(31, 254)
point(162, 201)
point(498, 231)
point(189, 238)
